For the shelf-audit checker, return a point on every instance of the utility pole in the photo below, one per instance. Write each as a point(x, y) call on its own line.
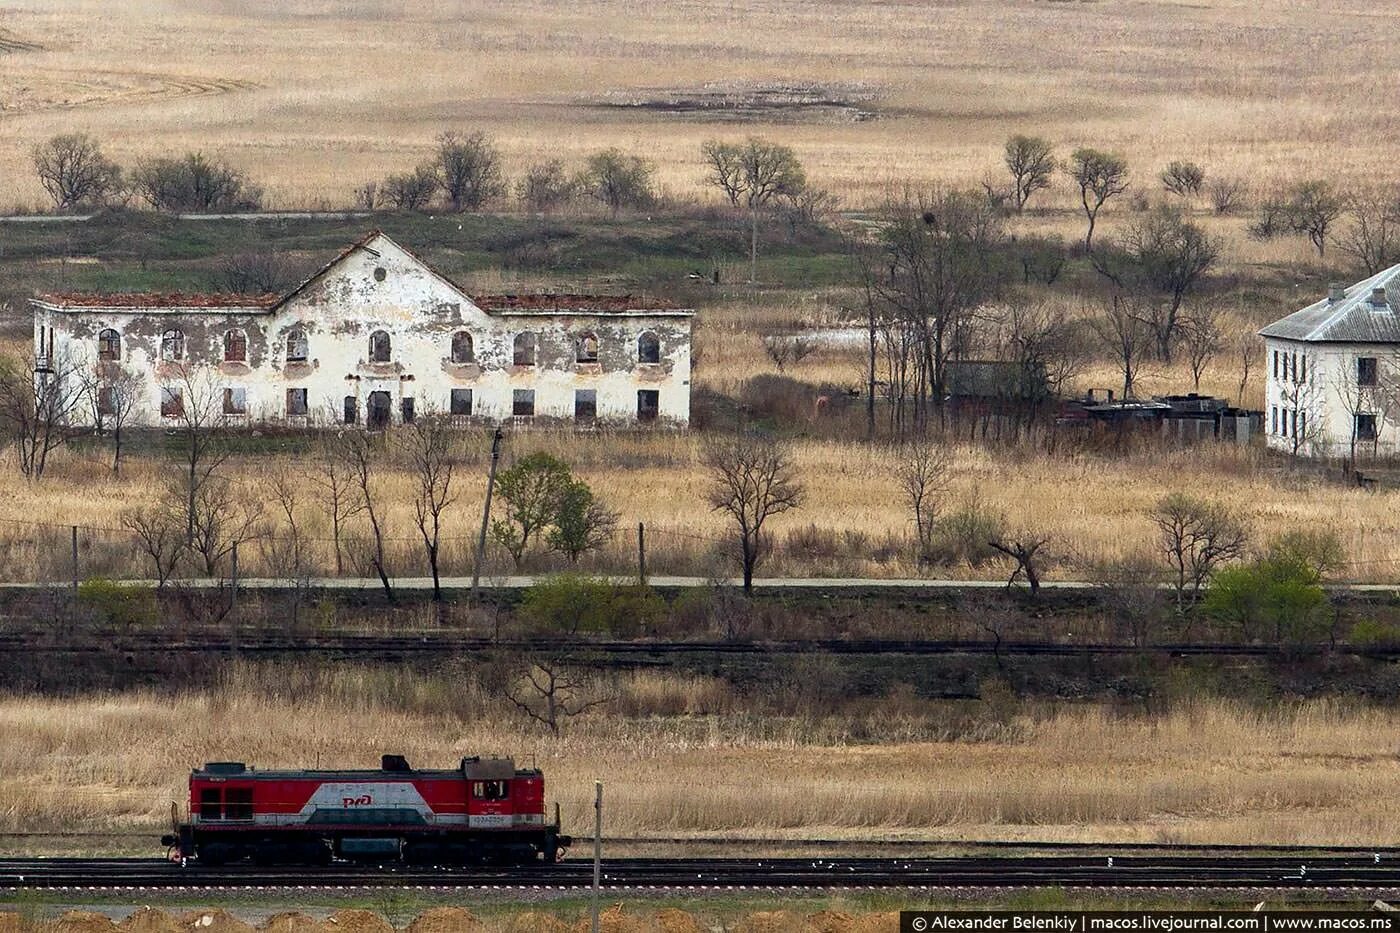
point(597, 848)
point(642, 553)
point(75, 561)
point(486, 509)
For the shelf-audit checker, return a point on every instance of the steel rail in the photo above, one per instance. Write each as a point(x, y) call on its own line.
point(1374, 873)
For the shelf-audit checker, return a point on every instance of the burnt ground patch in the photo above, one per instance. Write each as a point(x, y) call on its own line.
point(752, 103)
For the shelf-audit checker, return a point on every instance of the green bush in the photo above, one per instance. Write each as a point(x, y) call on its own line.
point(1374, 635)
point(1279, 598)
point(573, 604)
point(118, 603)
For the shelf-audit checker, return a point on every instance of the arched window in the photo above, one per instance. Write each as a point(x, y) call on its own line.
point(379, 346)
point(172, 345)
point(109, 345)
point(235, 346)
point(525, 349)
point(648, 348)
point(296, 346)
point(587, 348)
point(462, 349)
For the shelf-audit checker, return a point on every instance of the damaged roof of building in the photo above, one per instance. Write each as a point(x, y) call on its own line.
point(539, 303)
point(160, 300)
point(1367, 312)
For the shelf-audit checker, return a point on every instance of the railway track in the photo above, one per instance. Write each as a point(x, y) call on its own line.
point(1351, 874)
point(438, 643)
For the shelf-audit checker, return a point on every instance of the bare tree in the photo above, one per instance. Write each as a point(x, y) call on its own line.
point(617, 180)
point(1164, 252)
point(225, 517)
point(74, 172)
point(194, 183)
point(756, 172)
point(258, 272)
point(410, 191)
point(545, 187)
point(1300, 404)
point(196, 404)
point(1246, 351)
point(784, 349)
point(1195, 537)
point(1372, 237)
point(1227, 195)
point(38, 399)
point(360, 458)
point(1313, 207)
point(550, 692)
point(1183, 179)
point(752, 479)
point(1129, 587)
point(1024, 547)
point(469, 170)
point(1123, 334)
point(160, 534)
point(1200, 337)
point(1099, 176)
point(1031, 162)
point(367, 196)
point(924, 472)
point(335, 478)
point(113, 392)
point(431, 446)
point(284, 547)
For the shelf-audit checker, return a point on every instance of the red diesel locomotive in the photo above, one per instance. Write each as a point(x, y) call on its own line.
point(486, 810)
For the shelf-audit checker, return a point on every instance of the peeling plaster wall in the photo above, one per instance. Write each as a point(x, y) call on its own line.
point(420, 311)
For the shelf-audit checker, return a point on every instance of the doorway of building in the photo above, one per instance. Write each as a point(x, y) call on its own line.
point(377, 413)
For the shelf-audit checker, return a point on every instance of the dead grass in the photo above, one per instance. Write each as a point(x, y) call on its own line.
point(315, 99)
point(1206, 772)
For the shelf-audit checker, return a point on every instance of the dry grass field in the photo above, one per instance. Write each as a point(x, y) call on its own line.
point(313, 98)
point(681, 756)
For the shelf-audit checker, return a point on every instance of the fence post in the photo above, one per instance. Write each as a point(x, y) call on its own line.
point(642, 553)
point(486, 509)
point(75, 561)
point(597, 848)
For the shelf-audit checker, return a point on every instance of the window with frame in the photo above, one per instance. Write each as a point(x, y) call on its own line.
point(351, 413)
point(1365, 426)
point(463, 349)
point(406, 409)
point(235, 346)
point(1303, 368)
point(296, 402)
point(525, 349)
point(1273, 419)
point(648, 404)
point(296, 346)
point(235, 400)
point(172, 345)
point(585, 404)
point(648, 348)
point(1276, 355)
point(586, 349)
point(380, 349)
point(490, 790)
point(109, 345)
point(461, 402)
point(172, 402)
point(522, 404)
point(1366, 371)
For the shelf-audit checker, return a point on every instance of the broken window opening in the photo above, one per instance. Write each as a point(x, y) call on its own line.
point(523, 403)
point(406, 409)
point(379, 348)
point(107, 400)
point(648, 404)
point(235, 400)
point(587, 350)
point(109, 345)
point(1365, 427)
point(235, 346)
point(172, 402)
point(296, 402)
point(585, 404)
point(648, 348)
point(461, 403)
point(525, 349)
point(296, 346)
point(172, 345)
point(352, 410)
point(1366, 371)
point(463, 350)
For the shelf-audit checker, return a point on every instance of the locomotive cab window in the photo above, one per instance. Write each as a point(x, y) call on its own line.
point(490, 790)
point(211, 804)
point(228, 803)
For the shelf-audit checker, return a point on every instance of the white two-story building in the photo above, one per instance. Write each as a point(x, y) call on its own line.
point(1333, 373)
point(373, 338)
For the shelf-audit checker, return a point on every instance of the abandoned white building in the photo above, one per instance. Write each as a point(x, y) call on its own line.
point(375, 337)
point(1333, 373)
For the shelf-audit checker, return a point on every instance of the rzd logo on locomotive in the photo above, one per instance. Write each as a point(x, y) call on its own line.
point(363, 800)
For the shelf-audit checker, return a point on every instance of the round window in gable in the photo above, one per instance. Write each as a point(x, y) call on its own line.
point(379, 273)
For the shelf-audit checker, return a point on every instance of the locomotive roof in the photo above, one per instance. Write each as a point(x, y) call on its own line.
point(285, 773)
